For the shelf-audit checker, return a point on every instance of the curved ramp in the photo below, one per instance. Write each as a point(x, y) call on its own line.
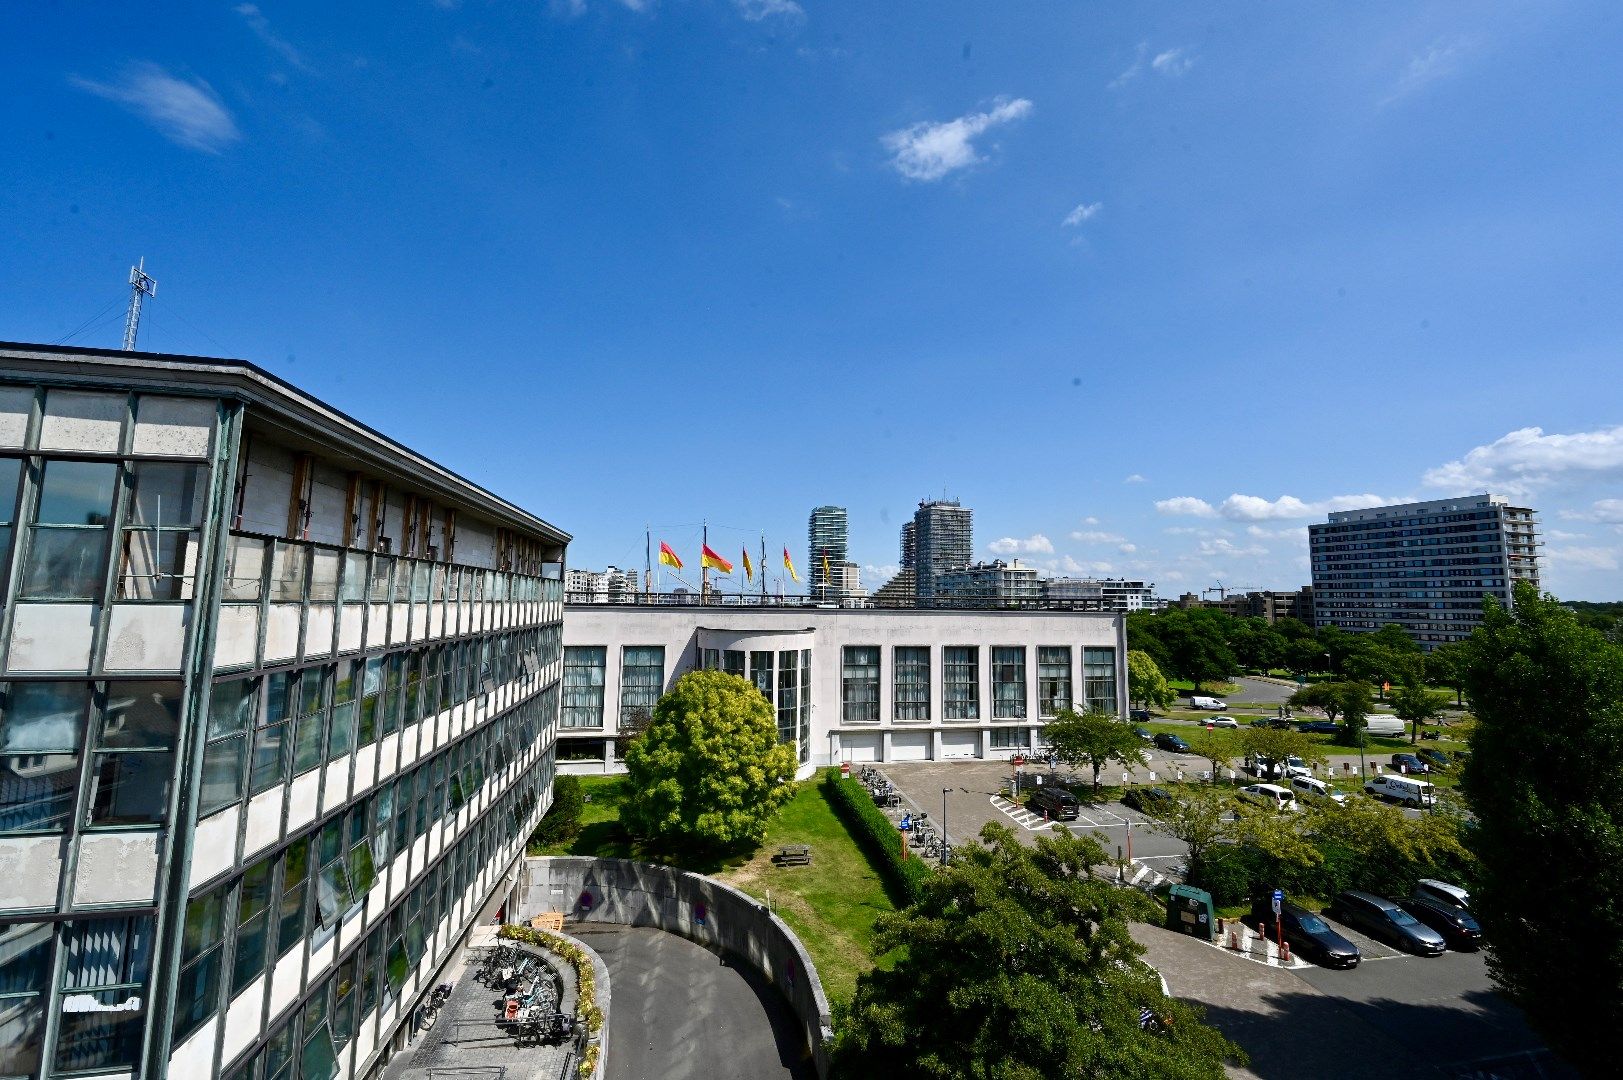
point(683, 1013)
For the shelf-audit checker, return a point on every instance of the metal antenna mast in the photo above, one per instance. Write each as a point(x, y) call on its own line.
point(140, 286)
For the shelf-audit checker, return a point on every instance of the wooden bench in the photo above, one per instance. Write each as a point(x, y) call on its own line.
point(793, 855)
point(550, 920)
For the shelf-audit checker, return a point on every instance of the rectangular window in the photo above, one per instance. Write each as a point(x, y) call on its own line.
point(709, 659)
point(1009, 738)
point(135, 754)
point(290, 908)
point(859, 685)
point(354, 586)
point(273, 738)
point(732, 662)
point(912, 682)
point(961, 691)
point(642, 678)
point(104, 993)
point(805, 705)
point(1053, 679)
point(1099, 679)
point(1008, 682)
point(225, 759)
point(161, 531)
point(197, 989)
point(341, 730)
point(288, 563)
point(310, 729)
point(42, 732)
point(11, 470)
point(761, 673)
point(324, 563)
point(253, 924)
point(25, 978)
point(583, 686)
point(245, 569)
point(788, 696)
point(67, 547)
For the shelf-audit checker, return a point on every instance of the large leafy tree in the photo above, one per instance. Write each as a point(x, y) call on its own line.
point(1414, 705)
point(1217, 745)
point(1145, 683)
point(709, 771)
point(1198, 815)
point(1270, 746)
point(1347, 701)
point(1543, 779)
point(1018, 966)
point(1093, 739)
point(1445, 666)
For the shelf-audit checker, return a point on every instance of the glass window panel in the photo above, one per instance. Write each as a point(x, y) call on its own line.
point(22, 1031)
point(131, 788)
point(1099, 678)
point(223, 779)
point(1008, 682)
point(788, 695)
point(288, 563)
point(324, 564)
point(583, 686)
point(158, 565)
point(732, 662)
point(761, 673)
point(39, 716)
point(1053, 679)
point(354, 577)
point(167, 496)
point(859, 684)
point(65, 564)
point(961, 695)
point(245, 568)
point(379, 589)
point(25, 958)
point(642, 679)
point(104, 996)
point(76, 493)
point(310, 729)
point(141, 715)
point(912, 679)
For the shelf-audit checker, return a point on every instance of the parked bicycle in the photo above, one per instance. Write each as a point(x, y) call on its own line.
point(430, 1011)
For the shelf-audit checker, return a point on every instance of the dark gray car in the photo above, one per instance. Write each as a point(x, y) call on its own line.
point(1384, 920)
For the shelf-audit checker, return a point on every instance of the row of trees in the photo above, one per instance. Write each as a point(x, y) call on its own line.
point(1206, 645)
point(1095, 740)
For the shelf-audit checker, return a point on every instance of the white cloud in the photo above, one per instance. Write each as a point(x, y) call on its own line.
point(272, 40)
point(1083, 212)
point(1239, 507)
point(1527, 458)
point(1090, 520)
point(875, 576)
point(1582, 558)
point(1035, 544)
point(1185, 506)
point(1172, 63)
point(756, 10)
point(1257, 532)
point(928, 151)
point(1094, 536)
point(1439, 61)
point(1135, 478)
point(1127, 549)
point(1606, 511)
point(1220, 546)
point(184, 112)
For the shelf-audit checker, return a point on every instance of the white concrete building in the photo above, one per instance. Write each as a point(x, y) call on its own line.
point(848, 684)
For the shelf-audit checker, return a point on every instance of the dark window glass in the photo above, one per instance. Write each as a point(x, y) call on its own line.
point(104, 993)
point(68, 549)
point(42, 729)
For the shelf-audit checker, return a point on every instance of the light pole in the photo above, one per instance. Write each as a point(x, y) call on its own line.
point(946, 846)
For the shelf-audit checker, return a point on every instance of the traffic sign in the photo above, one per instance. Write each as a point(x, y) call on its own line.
point(1279, 900)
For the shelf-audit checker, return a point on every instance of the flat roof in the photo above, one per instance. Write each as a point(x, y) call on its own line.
point(247, 381)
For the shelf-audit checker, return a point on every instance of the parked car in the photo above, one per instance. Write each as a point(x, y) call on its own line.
point(1309, 787)
point(1309, 935)
point(1198, 701)
point(1295, 766)
point(1402, 789)
point(1145, 799)
point(1442, 890)
point(1435, 758)
point(1410, 762)
point(1385, 921)
point(1222, 721)
point(1318, 727)
point(1145, 735)
point(1273, 770)
point(1166, 741)
point(1280, 798)
point(1383, 725)
point(1140, 716)
point(1059, 804)
point(1458, 928)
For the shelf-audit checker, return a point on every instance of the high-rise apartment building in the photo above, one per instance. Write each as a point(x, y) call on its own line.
point(1100, 594)
point(909, 544)
point(996, 584)
point(278, 699)
point(1424, 566)
point(943, 539)
point(827, 549)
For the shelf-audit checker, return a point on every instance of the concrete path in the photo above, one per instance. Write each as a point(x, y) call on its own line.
point(683, 1013)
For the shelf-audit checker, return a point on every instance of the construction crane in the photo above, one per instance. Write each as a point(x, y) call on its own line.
point(1223, 591)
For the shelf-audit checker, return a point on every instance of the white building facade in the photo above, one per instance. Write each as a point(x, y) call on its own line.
point(847, 684)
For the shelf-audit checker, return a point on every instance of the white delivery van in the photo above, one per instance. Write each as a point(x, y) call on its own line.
point(1383, 725)
point(1198, 702)
point(1318, 789)
point(1403, 789)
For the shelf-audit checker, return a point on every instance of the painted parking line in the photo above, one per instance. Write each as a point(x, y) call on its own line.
point(1020, 816)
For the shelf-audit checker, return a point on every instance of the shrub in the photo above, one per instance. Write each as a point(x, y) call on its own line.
point(875, 833)
point(562, 821)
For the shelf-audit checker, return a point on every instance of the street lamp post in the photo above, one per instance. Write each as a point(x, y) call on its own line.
point(946, 845)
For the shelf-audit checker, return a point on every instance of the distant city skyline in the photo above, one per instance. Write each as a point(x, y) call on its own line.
point(1151, 287)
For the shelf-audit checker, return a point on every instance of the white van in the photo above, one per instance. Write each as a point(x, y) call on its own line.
point(1383, 725)
point(1403, 789)
point(1316, 789)
point(1270, 795)
point(1198, 702)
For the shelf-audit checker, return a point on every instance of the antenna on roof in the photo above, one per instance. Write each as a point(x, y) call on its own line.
point(140, 286)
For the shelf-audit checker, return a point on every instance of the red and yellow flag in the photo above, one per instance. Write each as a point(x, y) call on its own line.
point(713, 561)
point(668, 557)
point(749, 568)
point(789, 565)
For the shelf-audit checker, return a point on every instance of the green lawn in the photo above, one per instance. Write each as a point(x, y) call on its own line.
point(1374, 745)
point(1212, 689)
point(831, 904)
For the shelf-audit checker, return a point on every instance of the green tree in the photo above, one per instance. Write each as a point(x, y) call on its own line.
point(1018, 966)
point(1200, 652)
point(1445, 666)
point(561, 823)
point(1200, 816)
point(1414, 705)
point(1325, 696)
point(1270, 746)
point(1218, 746)
point(1356, 699)
point(710, 770)
point(1094, 739)
point(1543, 779)
point(1145, 683)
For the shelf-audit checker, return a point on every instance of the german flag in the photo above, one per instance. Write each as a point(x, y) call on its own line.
point(667, 557)
point(789, 565)
point(749, 568)
point(715, 562)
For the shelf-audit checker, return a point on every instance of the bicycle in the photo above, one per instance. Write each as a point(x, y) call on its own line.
point(430, 1011)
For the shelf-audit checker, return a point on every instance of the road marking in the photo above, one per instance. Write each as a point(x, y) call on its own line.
point(1021, 817)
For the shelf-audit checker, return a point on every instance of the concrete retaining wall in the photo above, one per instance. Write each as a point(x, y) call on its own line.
point(691, 906)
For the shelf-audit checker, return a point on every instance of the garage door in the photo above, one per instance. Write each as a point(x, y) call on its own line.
point(859, 747)
point(910, 746)
point(960, 744)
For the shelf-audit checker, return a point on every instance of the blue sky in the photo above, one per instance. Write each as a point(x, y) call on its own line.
point(1149, 286)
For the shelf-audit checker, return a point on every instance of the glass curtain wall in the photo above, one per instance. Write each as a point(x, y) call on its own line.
point(1099, 679)
point(1053, 679)
point(961, 697)
point(859, 685)
point(912, 679)
point(1008, 682)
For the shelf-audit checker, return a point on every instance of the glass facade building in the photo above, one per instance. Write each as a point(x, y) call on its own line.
point(277, 708)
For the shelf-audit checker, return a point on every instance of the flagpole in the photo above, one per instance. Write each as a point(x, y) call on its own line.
point(763, 569)
point(704, 567)
point(647, 558)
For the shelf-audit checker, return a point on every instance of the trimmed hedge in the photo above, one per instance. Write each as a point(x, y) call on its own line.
point(876, 834)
